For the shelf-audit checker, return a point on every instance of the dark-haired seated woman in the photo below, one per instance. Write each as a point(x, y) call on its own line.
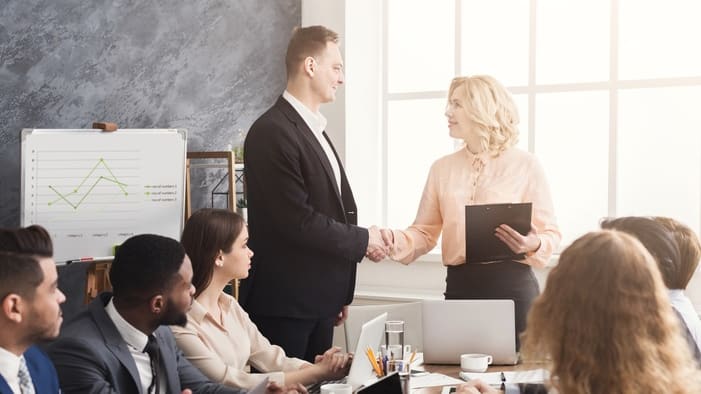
point(605, 325)
point(220, 338)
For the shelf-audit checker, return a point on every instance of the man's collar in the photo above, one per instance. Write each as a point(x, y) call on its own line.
point(131, 335)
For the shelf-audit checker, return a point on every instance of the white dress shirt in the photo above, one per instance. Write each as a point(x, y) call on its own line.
point(136, 343)
point(9, 368)
point(683, 305)
point(317, 123)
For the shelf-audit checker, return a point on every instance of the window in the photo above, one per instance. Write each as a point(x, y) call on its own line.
point(609, 101)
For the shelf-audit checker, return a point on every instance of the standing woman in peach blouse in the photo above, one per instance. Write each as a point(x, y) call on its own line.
point(487, 169)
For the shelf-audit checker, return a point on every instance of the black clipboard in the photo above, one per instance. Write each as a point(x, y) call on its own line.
point(480, 223)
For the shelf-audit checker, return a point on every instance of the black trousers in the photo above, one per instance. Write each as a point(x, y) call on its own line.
point(301, 338)
point(508, 280)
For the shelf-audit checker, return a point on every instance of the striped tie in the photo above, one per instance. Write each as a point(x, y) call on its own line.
point(25, 379)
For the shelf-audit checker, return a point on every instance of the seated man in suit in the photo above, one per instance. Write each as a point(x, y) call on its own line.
point(121, 344)
point(30, 310)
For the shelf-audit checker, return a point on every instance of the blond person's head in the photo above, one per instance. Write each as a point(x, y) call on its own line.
point(689, 250)
point(491, 109)
point(605, 323)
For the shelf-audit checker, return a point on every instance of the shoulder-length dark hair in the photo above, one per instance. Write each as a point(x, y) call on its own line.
point(208, 232)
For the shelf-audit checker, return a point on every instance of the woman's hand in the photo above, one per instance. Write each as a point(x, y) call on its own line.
point(476, 387)
point(334, 364)
point(518, 243)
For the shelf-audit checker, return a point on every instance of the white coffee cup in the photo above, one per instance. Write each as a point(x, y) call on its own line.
point(337, 388)
point(475, 362)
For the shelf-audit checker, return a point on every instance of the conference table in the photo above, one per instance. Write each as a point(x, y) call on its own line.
point(454, 370)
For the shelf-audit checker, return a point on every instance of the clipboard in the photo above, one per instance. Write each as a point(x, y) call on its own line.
point(481, 245)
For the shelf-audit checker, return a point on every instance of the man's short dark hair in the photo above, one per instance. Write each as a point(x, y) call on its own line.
point(657, 239)
point(145, 265)
point(33, 240)
point(19, 274)
point(307, 41)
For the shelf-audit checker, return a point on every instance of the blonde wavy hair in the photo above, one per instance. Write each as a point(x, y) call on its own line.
point(493, 110)
point(605, 323)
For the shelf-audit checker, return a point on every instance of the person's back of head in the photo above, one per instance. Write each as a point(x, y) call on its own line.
point(689, 250)
point(605, 321)
point(33, 240)
point(148, 274)
point(207, 233)
point(310, 41)
point(657, 240)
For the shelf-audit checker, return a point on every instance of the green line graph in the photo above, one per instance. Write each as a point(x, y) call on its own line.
point(77, 190)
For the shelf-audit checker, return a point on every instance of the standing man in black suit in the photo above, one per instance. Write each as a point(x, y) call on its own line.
point(302, 214)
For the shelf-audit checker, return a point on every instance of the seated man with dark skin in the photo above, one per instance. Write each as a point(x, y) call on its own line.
point(121, 343)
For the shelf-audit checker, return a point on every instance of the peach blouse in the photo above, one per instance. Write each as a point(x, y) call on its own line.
point(463, 178)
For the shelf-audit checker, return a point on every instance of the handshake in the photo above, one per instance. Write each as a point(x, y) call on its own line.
point(380, 243)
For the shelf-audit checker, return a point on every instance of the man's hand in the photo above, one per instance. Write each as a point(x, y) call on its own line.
point(377, 249)
point(342, 316)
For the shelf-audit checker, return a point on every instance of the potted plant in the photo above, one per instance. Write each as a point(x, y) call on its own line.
point(242, 208)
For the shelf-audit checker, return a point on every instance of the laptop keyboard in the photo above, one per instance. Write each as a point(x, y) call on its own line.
point(315, 388)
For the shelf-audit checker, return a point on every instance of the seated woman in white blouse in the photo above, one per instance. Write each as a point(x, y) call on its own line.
point(219, 338)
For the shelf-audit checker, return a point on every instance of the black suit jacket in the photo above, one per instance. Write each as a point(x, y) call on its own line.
point(91, 357)
point(303, 232)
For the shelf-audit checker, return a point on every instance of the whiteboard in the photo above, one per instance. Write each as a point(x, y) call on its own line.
point(93, 189)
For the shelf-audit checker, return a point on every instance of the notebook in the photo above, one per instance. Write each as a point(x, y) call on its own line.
point(455, 327)
point(361, 372)
point(481, 245)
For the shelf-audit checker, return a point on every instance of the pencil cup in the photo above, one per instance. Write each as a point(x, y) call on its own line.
point(394, 339)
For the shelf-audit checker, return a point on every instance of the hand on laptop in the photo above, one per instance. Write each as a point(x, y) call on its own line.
point(333, 364)
point(274, 388)
point(377, 248)
point(476, 387)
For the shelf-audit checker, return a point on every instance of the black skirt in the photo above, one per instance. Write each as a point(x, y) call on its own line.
point(508, 280)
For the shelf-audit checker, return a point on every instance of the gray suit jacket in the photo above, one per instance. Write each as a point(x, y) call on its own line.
point(91, 357)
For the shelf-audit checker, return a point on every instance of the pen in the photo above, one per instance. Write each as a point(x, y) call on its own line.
point(411, 359)
point(82, 259)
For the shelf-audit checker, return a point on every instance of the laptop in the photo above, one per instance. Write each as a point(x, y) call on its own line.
point(455, 327)
point(361, 372)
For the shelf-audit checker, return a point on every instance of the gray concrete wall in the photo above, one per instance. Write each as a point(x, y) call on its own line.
point(210, 66)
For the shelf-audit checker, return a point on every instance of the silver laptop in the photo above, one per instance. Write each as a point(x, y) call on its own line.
point(361, 372)
point(454, 327)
